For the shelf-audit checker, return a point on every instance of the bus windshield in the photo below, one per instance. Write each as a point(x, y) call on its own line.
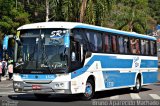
point(42, 51)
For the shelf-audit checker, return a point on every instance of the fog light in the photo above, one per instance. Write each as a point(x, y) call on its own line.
point(16, 90)
point(57, 85)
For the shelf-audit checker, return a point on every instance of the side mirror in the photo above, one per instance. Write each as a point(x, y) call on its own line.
point(73, 57)
point(18, 41)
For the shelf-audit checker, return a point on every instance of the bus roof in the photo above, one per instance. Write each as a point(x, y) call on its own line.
point(71, 25)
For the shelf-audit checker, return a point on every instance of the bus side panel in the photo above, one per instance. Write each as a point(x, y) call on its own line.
point(150, 77)
point(117, 79)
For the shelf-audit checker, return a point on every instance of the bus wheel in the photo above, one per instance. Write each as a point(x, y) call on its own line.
point(41, 96)
point(137, 87)
point(89, 90)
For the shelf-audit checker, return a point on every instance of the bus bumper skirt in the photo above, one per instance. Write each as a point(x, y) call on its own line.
point(47, 88)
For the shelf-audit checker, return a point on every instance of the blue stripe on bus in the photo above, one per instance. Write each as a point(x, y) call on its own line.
point(115, 31)
point(37, 76)
point(79, 72)
point(106, 62)
point(150, 77)
point(113, 62)
point(149, 64)
point(117, 79)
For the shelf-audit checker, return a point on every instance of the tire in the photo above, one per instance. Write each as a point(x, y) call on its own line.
point(89, 90)
point(41, 96)
point(138, 86)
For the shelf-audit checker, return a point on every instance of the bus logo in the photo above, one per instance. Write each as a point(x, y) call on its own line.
point(56, 36)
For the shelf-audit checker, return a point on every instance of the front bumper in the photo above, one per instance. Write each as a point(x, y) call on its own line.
point(43, 87)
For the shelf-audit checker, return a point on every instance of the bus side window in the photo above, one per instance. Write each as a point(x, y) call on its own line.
point(121, 44)
point(107, 44)
point(91, 40)
point(134, 46)
point(147, 47)
point(153, 48)
point(126, 45)
point(114, 44)
point(143, 47)
point(98, 42)
point(74, 51)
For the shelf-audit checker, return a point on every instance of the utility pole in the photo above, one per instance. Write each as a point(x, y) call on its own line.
point(47, 11)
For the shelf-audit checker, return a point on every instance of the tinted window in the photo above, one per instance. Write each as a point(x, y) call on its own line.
point(121, 44)
point(95, 40)
point(107, 43)
point(126, 45)
point(98, 42)
point(114, 44)
point(143, 47)
point(153, 48)
point(134, 44)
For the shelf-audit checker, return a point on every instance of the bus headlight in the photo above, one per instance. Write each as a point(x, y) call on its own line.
point(17, 85)
point(57, 85)
point(61, 85)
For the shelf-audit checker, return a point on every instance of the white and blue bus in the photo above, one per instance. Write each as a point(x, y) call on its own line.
point(76, 58)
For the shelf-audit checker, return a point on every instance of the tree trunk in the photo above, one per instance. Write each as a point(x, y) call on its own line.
point(83, 9)
point(16, 4)
point(131, 26)
point(47, 11)
point(28, 1)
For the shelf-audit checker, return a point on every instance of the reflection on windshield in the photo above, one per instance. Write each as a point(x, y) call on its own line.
point(29, 52)
point(56, 57)
point(47, 52)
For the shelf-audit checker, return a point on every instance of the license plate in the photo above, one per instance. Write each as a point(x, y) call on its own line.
point(36, 87)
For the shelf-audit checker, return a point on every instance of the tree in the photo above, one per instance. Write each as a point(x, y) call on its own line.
point(47, 10)
point(131, 15)
point(11, 17)
point(71, 10)
point(95, 11)
point(154, 12)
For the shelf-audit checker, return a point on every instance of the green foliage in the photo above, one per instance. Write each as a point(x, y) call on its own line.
point(11, 17)
point(129, 15)
point(35, 9)
point(97, 11)
point(154, 6)
point(70, 10)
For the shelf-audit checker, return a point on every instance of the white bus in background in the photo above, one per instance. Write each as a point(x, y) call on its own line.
point(76, 58)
